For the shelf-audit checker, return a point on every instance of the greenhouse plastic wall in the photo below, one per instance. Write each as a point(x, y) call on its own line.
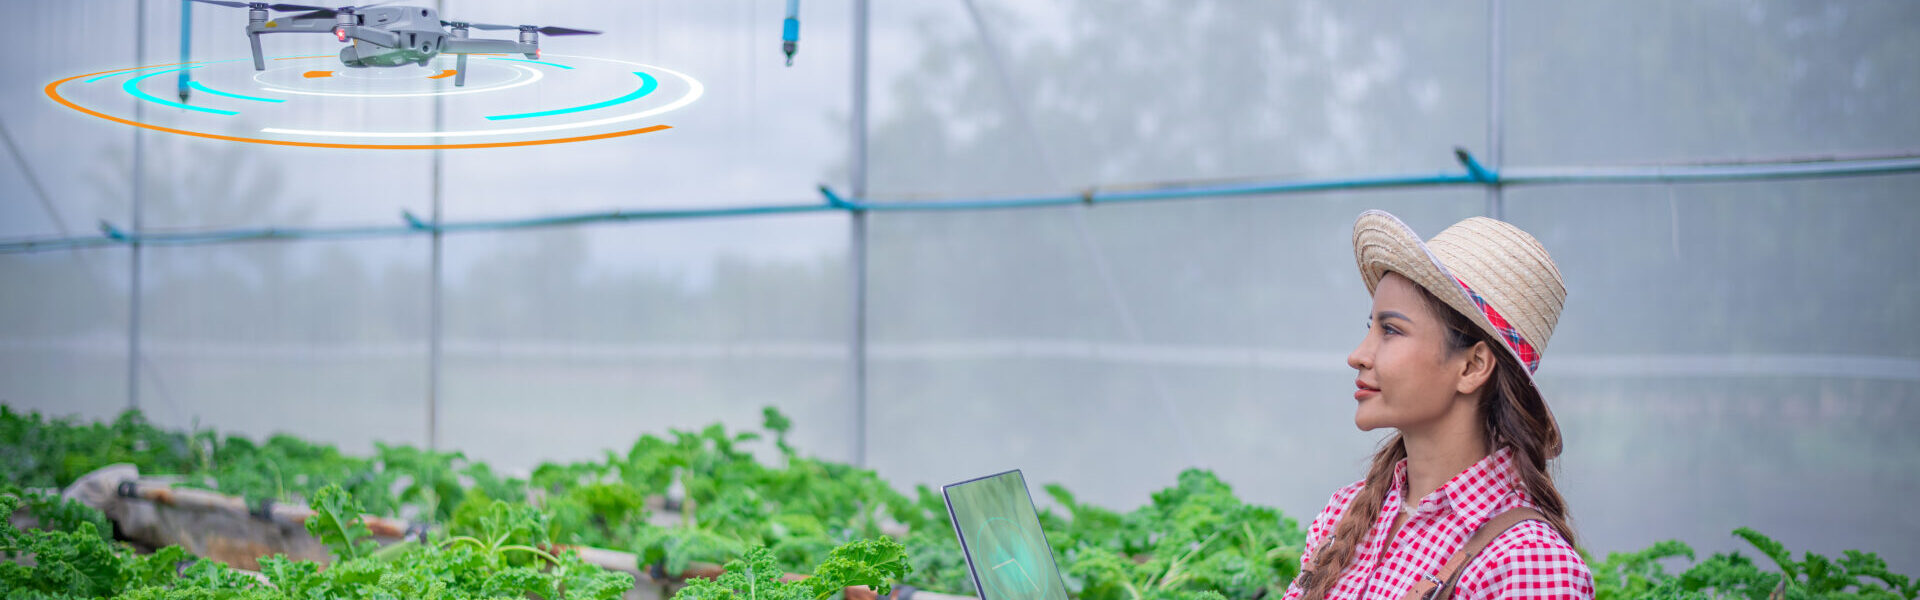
point(1769, 379)
point(1732, 354)
point(252, 337)
point(332, 340)
point(65, 343)
point(607, 348)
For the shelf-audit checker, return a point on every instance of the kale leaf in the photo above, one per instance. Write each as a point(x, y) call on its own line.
point(337, 522)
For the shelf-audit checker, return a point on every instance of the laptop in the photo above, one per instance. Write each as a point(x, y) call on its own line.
point(1000, 534)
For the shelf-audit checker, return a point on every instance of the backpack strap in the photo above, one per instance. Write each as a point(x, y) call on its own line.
point(1425, 589)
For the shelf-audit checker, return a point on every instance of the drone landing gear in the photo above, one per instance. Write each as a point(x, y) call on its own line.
point(258, 63)
point(460, 71)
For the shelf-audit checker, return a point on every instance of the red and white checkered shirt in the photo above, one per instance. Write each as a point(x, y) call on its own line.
point(1530, 560)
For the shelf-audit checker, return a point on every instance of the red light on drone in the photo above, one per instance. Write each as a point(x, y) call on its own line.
point(340, 32)
point(536, 54)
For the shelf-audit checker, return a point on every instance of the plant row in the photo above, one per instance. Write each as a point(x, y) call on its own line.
point(705, 497)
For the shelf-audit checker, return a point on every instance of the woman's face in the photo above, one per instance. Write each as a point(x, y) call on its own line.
point(1407, 376)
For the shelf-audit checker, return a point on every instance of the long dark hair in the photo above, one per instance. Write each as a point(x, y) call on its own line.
point(1513, 415)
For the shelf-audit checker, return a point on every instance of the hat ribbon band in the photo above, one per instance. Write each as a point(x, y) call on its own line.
point(1528, 355)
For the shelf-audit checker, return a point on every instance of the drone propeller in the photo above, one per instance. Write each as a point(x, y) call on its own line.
point(542, 30)
point(565, 31)
point(278, 7)
point(328, 13)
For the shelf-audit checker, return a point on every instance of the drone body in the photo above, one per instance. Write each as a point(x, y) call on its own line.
point(390, 36)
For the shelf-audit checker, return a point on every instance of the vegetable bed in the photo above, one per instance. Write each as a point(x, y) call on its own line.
point(692, 498)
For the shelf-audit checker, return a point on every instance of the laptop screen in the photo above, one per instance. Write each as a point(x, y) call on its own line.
point(1001, 536)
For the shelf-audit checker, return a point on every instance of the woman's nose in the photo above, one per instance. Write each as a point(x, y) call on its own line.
point(1362, 356)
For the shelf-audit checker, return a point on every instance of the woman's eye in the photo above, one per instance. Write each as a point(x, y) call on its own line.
point(1390, 329)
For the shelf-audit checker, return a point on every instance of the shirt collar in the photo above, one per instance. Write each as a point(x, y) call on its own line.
point(1475, 494)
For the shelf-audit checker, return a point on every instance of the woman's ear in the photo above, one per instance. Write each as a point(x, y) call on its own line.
point(1477, 370)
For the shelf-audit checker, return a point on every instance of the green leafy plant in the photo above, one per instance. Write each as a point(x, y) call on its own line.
point(1195, 538)
point(337, 523)
point(496, 552)
point(1640, 574)
point(289, 469)
point(722, 503)
point(41, 452)
point(596, 514)
point(1856, 575)
point(875, 563)
point(70, 559)
point(49, 512)
point(754, 576)
point(731, 501)
point(501, 527)
point(431, 479)
point(78, 563)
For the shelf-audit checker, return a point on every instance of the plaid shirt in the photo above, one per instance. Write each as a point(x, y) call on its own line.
point(1530, 560)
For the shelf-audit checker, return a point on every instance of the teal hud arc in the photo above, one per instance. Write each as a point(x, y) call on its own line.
point(501, 98)
point(1007, 551)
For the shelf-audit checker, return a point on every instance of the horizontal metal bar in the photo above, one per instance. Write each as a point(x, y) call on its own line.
point(1176, 193)
point(49, 244)
point(1707, 173)
point(619, 215)
point(250, 234)
point(1476, 174)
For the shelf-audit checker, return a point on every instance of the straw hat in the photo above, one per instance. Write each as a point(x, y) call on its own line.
point(1490, 271)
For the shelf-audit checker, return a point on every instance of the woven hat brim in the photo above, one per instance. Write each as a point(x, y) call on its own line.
point(1382, 244)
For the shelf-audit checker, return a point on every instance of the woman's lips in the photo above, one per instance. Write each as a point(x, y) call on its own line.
point(1365, 391)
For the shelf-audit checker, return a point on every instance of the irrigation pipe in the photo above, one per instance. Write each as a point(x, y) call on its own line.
point(1475, 174)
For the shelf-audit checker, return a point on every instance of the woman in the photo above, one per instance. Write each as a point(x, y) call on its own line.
point(1456, 331)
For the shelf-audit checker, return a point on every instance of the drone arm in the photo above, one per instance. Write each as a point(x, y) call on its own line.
point(254, 29)
point(471, 46)
point(292, 26)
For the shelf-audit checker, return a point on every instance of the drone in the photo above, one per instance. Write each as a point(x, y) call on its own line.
point(392, 35)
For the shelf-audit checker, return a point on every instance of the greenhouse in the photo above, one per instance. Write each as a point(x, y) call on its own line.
point(785, 300)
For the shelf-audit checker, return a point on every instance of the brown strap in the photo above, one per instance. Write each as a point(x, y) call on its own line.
point(1450, 573)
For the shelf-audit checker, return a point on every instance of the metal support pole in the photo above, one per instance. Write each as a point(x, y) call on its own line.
point(434, 285)
point(857, 250)
point(1496, 204)
point(434, 333)
point(139, 187)
point(858, 375)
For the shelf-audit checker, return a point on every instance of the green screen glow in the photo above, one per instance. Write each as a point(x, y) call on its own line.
point(1005, 545)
